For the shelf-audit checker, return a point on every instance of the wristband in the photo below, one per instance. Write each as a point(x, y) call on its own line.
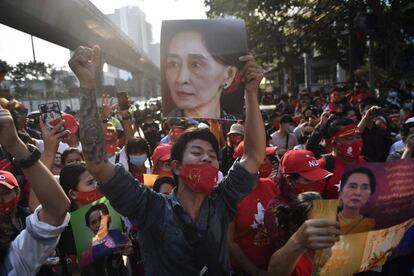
point(29, 161)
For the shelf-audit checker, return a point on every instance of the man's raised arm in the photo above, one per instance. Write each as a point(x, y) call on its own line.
point(86, 64)
point(255, 140)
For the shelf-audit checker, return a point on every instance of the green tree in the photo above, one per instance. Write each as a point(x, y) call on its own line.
point(280, 31)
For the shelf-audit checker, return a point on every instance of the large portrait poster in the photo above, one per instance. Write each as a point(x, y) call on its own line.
point(200, 68)
point(375, 211)
point(97, 230)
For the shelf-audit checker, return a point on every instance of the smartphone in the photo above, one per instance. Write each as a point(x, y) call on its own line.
point(51, 115)
point(123, 101)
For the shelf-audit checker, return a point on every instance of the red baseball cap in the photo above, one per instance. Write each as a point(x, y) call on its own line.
point(162, 152)
point(304, 163)
point(240, 150)
point(71, 123)
point(7, 179)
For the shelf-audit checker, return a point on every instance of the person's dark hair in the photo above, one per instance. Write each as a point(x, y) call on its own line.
point(69, 176)
point(334, 124)
point(286, 190)
point(137, 144)
point(348, 108)
point(362, 170)
point(405, 129)
point(161, 181)
point(68, 151)
point(273, 116)
point(100, 206)
point(179, 146)
point(297, 211)
point(368, 102)
point(286, 119)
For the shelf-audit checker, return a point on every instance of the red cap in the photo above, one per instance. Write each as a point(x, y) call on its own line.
point(240, 150)
point(162, 152)
point(7, 179)
point(304, 163)
point(71, 123)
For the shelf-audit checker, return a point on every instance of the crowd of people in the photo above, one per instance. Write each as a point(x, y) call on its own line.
point(228, 199)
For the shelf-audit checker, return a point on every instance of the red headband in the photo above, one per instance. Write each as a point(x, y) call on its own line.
point(345, 131)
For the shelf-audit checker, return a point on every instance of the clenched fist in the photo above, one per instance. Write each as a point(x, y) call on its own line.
point(85, 64)
point(8, 133)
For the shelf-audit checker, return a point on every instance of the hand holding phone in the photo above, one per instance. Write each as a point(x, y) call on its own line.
point(51, 115)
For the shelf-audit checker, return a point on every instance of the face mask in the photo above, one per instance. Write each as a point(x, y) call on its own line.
point(164, 173)
point(200, 178)
point(235, 140)
point(85, 198)
point(301, 188)
point(7, 208)
point(351, 151)
point(265, 170)
point(138, 160)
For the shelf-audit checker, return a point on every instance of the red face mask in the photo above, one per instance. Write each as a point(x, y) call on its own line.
point(7, 208)
point(265, 170)
point(85, 198)
point(111, 143)
point(351, 151)
point(164, 173)
point(200, 178)
point(175, 133)
point(301, 188)
point(235, 140)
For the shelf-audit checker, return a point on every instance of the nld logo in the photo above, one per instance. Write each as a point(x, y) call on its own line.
point(313, 163)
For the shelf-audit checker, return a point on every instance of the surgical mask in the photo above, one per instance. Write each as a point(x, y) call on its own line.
point(138, 160)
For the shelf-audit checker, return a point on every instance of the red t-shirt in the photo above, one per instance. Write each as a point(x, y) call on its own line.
point(303, 267)
point(334, 182)
point(250, 233)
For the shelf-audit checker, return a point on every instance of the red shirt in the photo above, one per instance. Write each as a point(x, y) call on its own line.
point(334, 182)
point(250, 233)
point(303, 267)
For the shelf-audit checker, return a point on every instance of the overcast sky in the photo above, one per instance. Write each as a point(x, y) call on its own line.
point(15, 46)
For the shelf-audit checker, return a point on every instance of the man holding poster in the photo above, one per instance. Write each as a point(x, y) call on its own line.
point(183, 233)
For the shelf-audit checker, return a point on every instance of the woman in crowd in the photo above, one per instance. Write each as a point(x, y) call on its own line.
point(81, 188)
point(249, 244)
point(283, 139)
point(290, 218)
point(71, 156)
point(357, 186)
point(299, 172)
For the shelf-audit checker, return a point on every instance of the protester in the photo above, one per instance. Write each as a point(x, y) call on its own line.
point(71, 156)
point(299, 172)
point(377, 140)
point(249, 244)
point(25, 252)
point(297, 256)
point(234, 137)
point(357, 186)
point(283, 139)
point(407, 138)
point(345, 140)
point(179, 251)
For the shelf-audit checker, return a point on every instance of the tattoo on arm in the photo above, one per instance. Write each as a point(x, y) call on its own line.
point(91, 132)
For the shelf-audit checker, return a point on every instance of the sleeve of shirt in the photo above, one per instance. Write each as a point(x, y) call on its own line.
point(132, 199)
point(236, 185)
point(30, 249)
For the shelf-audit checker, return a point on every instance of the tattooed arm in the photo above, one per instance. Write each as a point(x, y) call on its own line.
point(86, 63)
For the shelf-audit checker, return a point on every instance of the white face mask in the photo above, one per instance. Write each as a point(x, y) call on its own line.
point(138, 160)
